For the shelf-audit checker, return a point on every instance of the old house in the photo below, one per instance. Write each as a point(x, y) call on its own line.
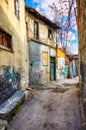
point(13, 56)
point(13, 43)
point(61, 57)
point(41, 33)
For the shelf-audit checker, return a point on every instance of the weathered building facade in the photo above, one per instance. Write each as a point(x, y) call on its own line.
point(61, 56)
point(13, 44)
point(81, 21)
point(41, 34)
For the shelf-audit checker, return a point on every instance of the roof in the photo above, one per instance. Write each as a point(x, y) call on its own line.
point(67, 62)
point(41, 17)
point(75, 56)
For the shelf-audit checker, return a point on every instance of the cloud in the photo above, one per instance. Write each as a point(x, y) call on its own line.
point(74, 47)
point(43, 6)
point(71, 36)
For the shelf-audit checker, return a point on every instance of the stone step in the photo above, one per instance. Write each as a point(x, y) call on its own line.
point(8, 108)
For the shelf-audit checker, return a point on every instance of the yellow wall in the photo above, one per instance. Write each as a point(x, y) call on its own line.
point(60, 53)
point(60, 64)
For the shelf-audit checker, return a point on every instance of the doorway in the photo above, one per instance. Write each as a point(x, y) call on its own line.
point(52, 68)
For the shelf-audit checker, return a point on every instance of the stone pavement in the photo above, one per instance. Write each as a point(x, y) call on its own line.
point(51, 109)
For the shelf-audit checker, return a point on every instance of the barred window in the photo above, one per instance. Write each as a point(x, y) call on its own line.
point(16, 3)
point(5, 39)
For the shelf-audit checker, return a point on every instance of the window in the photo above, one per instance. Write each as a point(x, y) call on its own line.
point(45, 58)
point(5, 39)
point(36, 31)
point(50, 34)
point(16, 3)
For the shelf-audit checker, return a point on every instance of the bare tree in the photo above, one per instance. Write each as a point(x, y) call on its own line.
point(63, 17)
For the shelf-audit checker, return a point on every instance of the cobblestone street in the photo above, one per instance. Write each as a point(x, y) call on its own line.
point(57, 108)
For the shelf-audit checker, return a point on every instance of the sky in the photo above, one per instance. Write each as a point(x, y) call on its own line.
point(42, 6)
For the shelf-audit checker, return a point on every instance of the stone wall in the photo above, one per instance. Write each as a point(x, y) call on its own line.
point(81, 21)
point(82, 37)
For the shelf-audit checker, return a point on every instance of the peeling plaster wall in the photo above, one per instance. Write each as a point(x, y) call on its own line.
point(35, 63)
point(40, 50)
point(83, 40)
point(43, 30)
point(16, 58)
point(81, 21)
point(39, 57)
point(45, 64)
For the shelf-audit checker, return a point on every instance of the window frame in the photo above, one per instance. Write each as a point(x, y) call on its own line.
point(17, 9)
point(50, 34)
point(36, 30)
point(5, 39)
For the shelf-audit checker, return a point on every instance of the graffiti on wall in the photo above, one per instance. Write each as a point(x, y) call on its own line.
point(9, 77)
point(9, 82)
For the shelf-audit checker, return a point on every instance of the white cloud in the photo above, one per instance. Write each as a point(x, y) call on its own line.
point(73, 47)
point(73, 23)
point(71, 36)
point(44, 7)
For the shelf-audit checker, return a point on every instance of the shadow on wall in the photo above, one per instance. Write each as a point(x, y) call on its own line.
point(9, 77)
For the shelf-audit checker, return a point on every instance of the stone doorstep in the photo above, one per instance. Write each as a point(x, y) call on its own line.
point(28, 94)
point(8, 108)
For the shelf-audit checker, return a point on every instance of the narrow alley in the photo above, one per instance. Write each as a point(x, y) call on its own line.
point(43, 65)
point(55, 106)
